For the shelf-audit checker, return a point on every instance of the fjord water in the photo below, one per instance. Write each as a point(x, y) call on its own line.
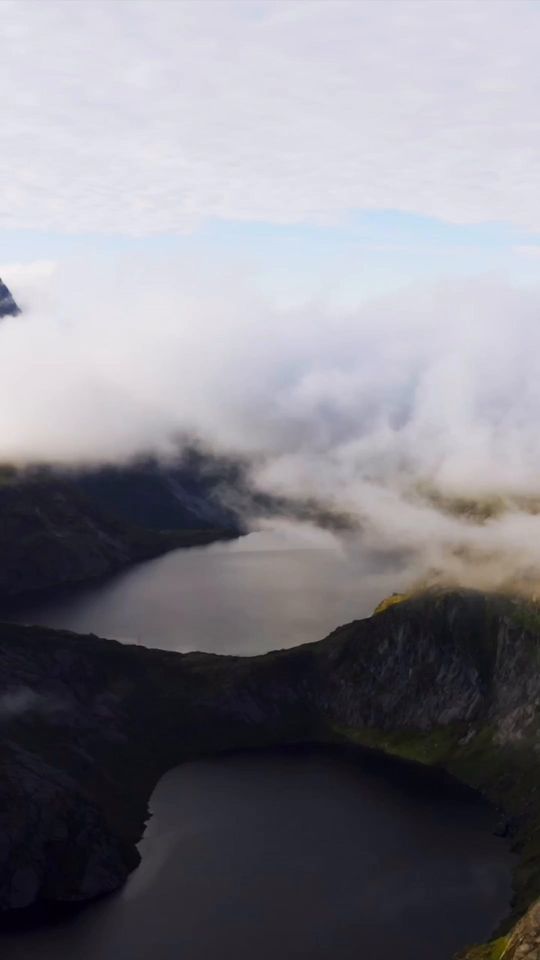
point(303, 854)
point(270, 589)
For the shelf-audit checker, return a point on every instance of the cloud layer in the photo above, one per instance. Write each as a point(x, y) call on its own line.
point(418, 414)
point(140, 117)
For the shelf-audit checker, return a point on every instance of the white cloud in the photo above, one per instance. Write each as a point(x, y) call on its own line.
point(138, 117)
point(445, 377)
point(531, 251)
point(375, 409)
point(32, 279)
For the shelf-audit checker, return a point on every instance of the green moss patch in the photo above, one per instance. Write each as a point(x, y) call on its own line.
point(490, 951)
point(431, 748)
point(391, 602)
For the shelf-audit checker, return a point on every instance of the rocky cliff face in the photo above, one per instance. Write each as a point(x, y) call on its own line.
point(88, 726)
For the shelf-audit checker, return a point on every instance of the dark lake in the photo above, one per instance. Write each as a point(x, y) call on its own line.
point(303, 855)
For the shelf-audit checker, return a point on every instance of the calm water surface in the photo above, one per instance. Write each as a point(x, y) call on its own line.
point(270, 589)
point(300, 855)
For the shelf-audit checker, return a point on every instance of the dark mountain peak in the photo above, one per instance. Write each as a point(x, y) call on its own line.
point(8, 307)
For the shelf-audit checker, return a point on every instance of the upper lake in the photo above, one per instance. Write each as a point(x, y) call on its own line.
point(270, 589)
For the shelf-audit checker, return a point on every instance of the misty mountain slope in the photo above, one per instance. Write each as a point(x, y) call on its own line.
point(197, 490)
point(447, 679)
point(51, 535)
point(8, 307)
point(62, 527)
point(59, 528)
point(189, 493)
point(181, 495)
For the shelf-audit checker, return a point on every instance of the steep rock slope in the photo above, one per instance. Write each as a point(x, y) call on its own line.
point(51, 535)
point(88, 726)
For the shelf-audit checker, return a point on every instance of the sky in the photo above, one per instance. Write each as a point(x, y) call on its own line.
point(306, 231)
point(368, 143)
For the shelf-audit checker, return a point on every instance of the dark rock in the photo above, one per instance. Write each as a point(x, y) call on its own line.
point(8, 307)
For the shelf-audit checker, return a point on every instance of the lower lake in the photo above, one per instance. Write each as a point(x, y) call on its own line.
point(303, 854)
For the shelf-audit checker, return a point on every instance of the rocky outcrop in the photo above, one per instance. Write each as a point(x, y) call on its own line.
point(8, 307)
point(524, 941)
point(50, 840)
point(88, 725)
